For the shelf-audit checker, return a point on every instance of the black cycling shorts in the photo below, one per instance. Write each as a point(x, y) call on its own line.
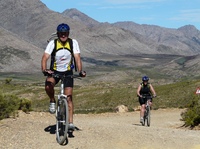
point(143, 100)
point(68, 81)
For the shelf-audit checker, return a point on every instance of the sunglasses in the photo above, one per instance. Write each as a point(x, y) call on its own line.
point(63, 34)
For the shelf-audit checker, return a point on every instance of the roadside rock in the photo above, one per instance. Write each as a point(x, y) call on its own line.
point(121, 109)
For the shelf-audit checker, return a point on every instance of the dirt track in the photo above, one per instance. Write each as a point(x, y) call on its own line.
point(100, 131)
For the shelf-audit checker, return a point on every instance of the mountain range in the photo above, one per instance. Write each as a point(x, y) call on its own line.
point(26, 26)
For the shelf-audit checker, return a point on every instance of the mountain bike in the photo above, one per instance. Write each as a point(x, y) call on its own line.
point(62, 113)
point(147, 112)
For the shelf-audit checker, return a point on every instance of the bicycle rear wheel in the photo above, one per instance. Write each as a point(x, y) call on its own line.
point(148, 116)
point(62, 121)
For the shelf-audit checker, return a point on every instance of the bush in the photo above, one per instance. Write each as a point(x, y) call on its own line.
point(25, 105)
point(192, 115)
point(9, 104)
point(8, 80)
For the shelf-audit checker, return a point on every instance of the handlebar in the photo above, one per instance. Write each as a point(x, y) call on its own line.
point(65, 76)
point(48, 72)
point(61, 76)
point(148, 96)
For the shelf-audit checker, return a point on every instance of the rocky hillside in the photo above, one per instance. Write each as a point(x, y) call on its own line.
point(17, 55)
point(184, 40)
point(80, 17)
point(29, 25)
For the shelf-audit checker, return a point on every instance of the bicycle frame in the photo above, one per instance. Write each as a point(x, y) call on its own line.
point(62, 113)
point(147, 110)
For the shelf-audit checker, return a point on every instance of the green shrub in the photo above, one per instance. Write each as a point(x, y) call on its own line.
point(8, 80)
point(191, 116)
point(9, 104)
point(25, 105)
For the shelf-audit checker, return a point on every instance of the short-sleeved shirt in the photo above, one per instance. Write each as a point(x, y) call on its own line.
point(63, 57)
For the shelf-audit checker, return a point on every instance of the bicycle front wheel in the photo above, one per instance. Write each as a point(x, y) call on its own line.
point(62, 121)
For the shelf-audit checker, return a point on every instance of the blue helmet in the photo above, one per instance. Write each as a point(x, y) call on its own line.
point(145, 78)
point(63, 28)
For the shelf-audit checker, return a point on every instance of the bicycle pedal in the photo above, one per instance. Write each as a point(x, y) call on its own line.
point(70, 134)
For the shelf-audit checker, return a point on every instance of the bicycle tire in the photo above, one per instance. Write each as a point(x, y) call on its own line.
point(62, 121)
point(144, 118)
point(148, 116)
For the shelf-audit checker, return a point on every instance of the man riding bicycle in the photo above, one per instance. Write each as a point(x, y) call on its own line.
point(145, 89)
point(62, 55)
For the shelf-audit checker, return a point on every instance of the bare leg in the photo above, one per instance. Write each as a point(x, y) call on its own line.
point(49, 88)
point(68, 92)
point(142, 110)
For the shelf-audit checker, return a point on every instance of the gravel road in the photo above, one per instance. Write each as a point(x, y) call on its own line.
point(100, 131)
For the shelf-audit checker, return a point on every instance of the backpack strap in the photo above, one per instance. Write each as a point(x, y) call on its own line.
point(148, 84)
point(53, 55)
point(72, 52)
point(54, 50)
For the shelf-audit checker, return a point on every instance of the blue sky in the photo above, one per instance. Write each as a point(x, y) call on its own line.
point(164, 13)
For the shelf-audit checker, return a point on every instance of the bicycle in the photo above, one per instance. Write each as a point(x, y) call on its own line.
point(147, 112)
point(62, 113)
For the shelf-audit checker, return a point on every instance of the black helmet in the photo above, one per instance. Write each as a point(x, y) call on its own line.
point(145, 78)
point(63, 28)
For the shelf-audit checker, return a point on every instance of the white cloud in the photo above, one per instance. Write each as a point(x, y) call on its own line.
point(190, 15)
point(124, 7)
point(117, 2)
point(131, 1)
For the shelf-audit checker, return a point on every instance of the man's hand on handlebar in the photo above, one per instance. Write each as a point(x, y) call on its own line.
point(47, 72)
point(82, 74)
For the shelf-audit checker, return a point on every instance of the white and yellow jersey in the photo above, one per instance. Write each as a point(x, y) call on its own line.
point(61, 54)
